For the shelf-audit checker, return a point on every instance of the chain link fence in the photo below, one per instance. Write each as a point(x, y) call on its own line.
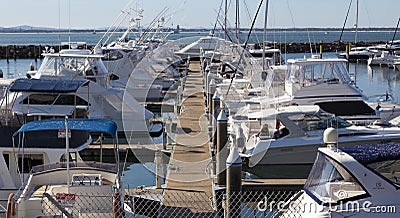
point(94, 205)
point(158, 203)
point(200, 204)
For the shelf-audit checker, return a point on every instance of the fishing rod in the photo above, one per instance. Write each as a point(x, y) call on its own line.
point(152, 24)
point(218, 14)
point(225, 31)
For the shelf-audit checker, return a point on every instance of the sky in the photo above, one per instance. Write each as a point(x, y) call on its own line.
point(89, 14)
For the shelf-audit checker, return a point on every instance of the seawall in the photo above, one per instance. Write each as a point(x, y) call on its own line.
point(35, 51)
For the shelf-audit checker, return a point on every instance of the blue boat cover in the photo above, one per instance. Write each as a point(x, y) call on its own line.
point(372, 153)
point(46, 85)
point(103, 126)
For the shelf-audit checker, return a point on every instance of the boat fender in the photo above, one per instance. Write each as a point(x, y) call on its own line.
point(264, 76)
point(10, 206)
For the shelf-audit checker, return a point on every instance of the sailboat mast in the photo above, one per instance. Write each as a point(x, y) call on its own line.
point(355, 39)
point(237, 22)
point(67, 151)
point(265, 34)
point(395, 31)
point(226, 18)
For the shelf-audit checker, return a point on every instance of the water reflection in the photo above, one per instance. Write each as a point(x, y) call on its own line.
point(376, 81)
point(17, 68)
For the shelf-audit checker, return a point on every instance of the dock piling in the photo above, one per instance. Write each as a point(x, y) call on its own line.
point(320, 50)
point(208, 80)
point(222, 138)
point(240, 138)
point(15, 52)
point(169, 135)
point(210, 93)
point(233, 183)
point(158, 163)
point(214, 112)
point(164, 135)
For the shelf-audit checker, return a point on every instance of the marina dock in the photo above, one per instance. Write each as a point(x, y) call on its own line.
point(190, 159)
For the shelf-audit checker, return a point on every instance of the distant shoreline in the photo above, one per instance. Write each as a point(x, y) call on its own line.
point(34, 51)
point(100, 31)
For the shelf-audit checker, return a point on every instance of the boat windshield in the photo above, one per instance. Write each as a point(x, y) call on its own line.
point(390, 169)
point(71, 66)
point(382, 158)
point(330, 182)
point(311, 122)
point(308, 74)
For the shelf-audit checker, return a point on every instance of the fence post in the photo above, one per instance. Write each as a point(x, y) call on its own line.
point(233, 183)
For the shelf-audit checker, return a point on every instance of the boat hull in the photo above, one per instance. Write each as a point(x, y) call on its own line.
point(291, 162)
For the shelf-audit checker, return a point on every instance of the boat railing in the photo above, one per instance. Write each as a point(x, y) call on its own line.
point(6, 117)
point(72, 165)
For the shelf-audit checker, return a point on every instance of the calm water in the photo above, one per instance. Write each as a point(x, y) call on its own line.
point(278, 36)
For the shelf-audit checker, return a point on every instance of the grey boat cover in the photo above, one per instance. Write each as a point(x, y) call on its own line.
point(103, 126)
point(46, 85)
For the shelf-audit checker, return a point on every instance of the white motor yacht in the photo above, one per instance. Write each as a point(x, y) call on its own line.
point(327, 83)
point(288, 138)
point(39, 143)
point(273, 56)
point(359, 54)
point(35, 99)
point(204, 44)
point(385, 59)
point(361, 181)
point(102, 101)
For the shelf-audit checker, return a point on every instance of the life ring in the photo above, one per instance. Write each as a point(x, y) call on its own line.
point(10, 206)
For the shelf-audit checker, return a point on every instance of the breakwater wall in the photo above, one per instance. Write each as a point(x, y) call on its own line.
point(27, 51)
point(35, 51)
point(305, 47)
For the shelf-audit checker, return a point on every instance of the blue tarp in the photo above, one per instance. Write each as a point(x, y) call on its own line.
point(372, 153)
point(46, 85)
point(103, 126)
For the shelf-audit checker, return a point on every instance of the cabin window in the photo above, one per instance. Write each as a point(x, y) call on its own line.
point(112, 55)
point(389, 169)
point(7, 160)
point(114, 77)
point(314, 122)
point(318, 73)
point(26, 162)
point(53, 99)
point(330, 182)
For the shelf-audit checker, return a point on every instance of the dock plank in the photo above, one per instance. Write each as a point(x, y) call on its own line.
point(188, 186)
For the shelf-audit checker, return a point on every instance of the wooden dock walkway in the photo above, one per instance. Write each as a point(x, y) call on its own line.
point(188, 185)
